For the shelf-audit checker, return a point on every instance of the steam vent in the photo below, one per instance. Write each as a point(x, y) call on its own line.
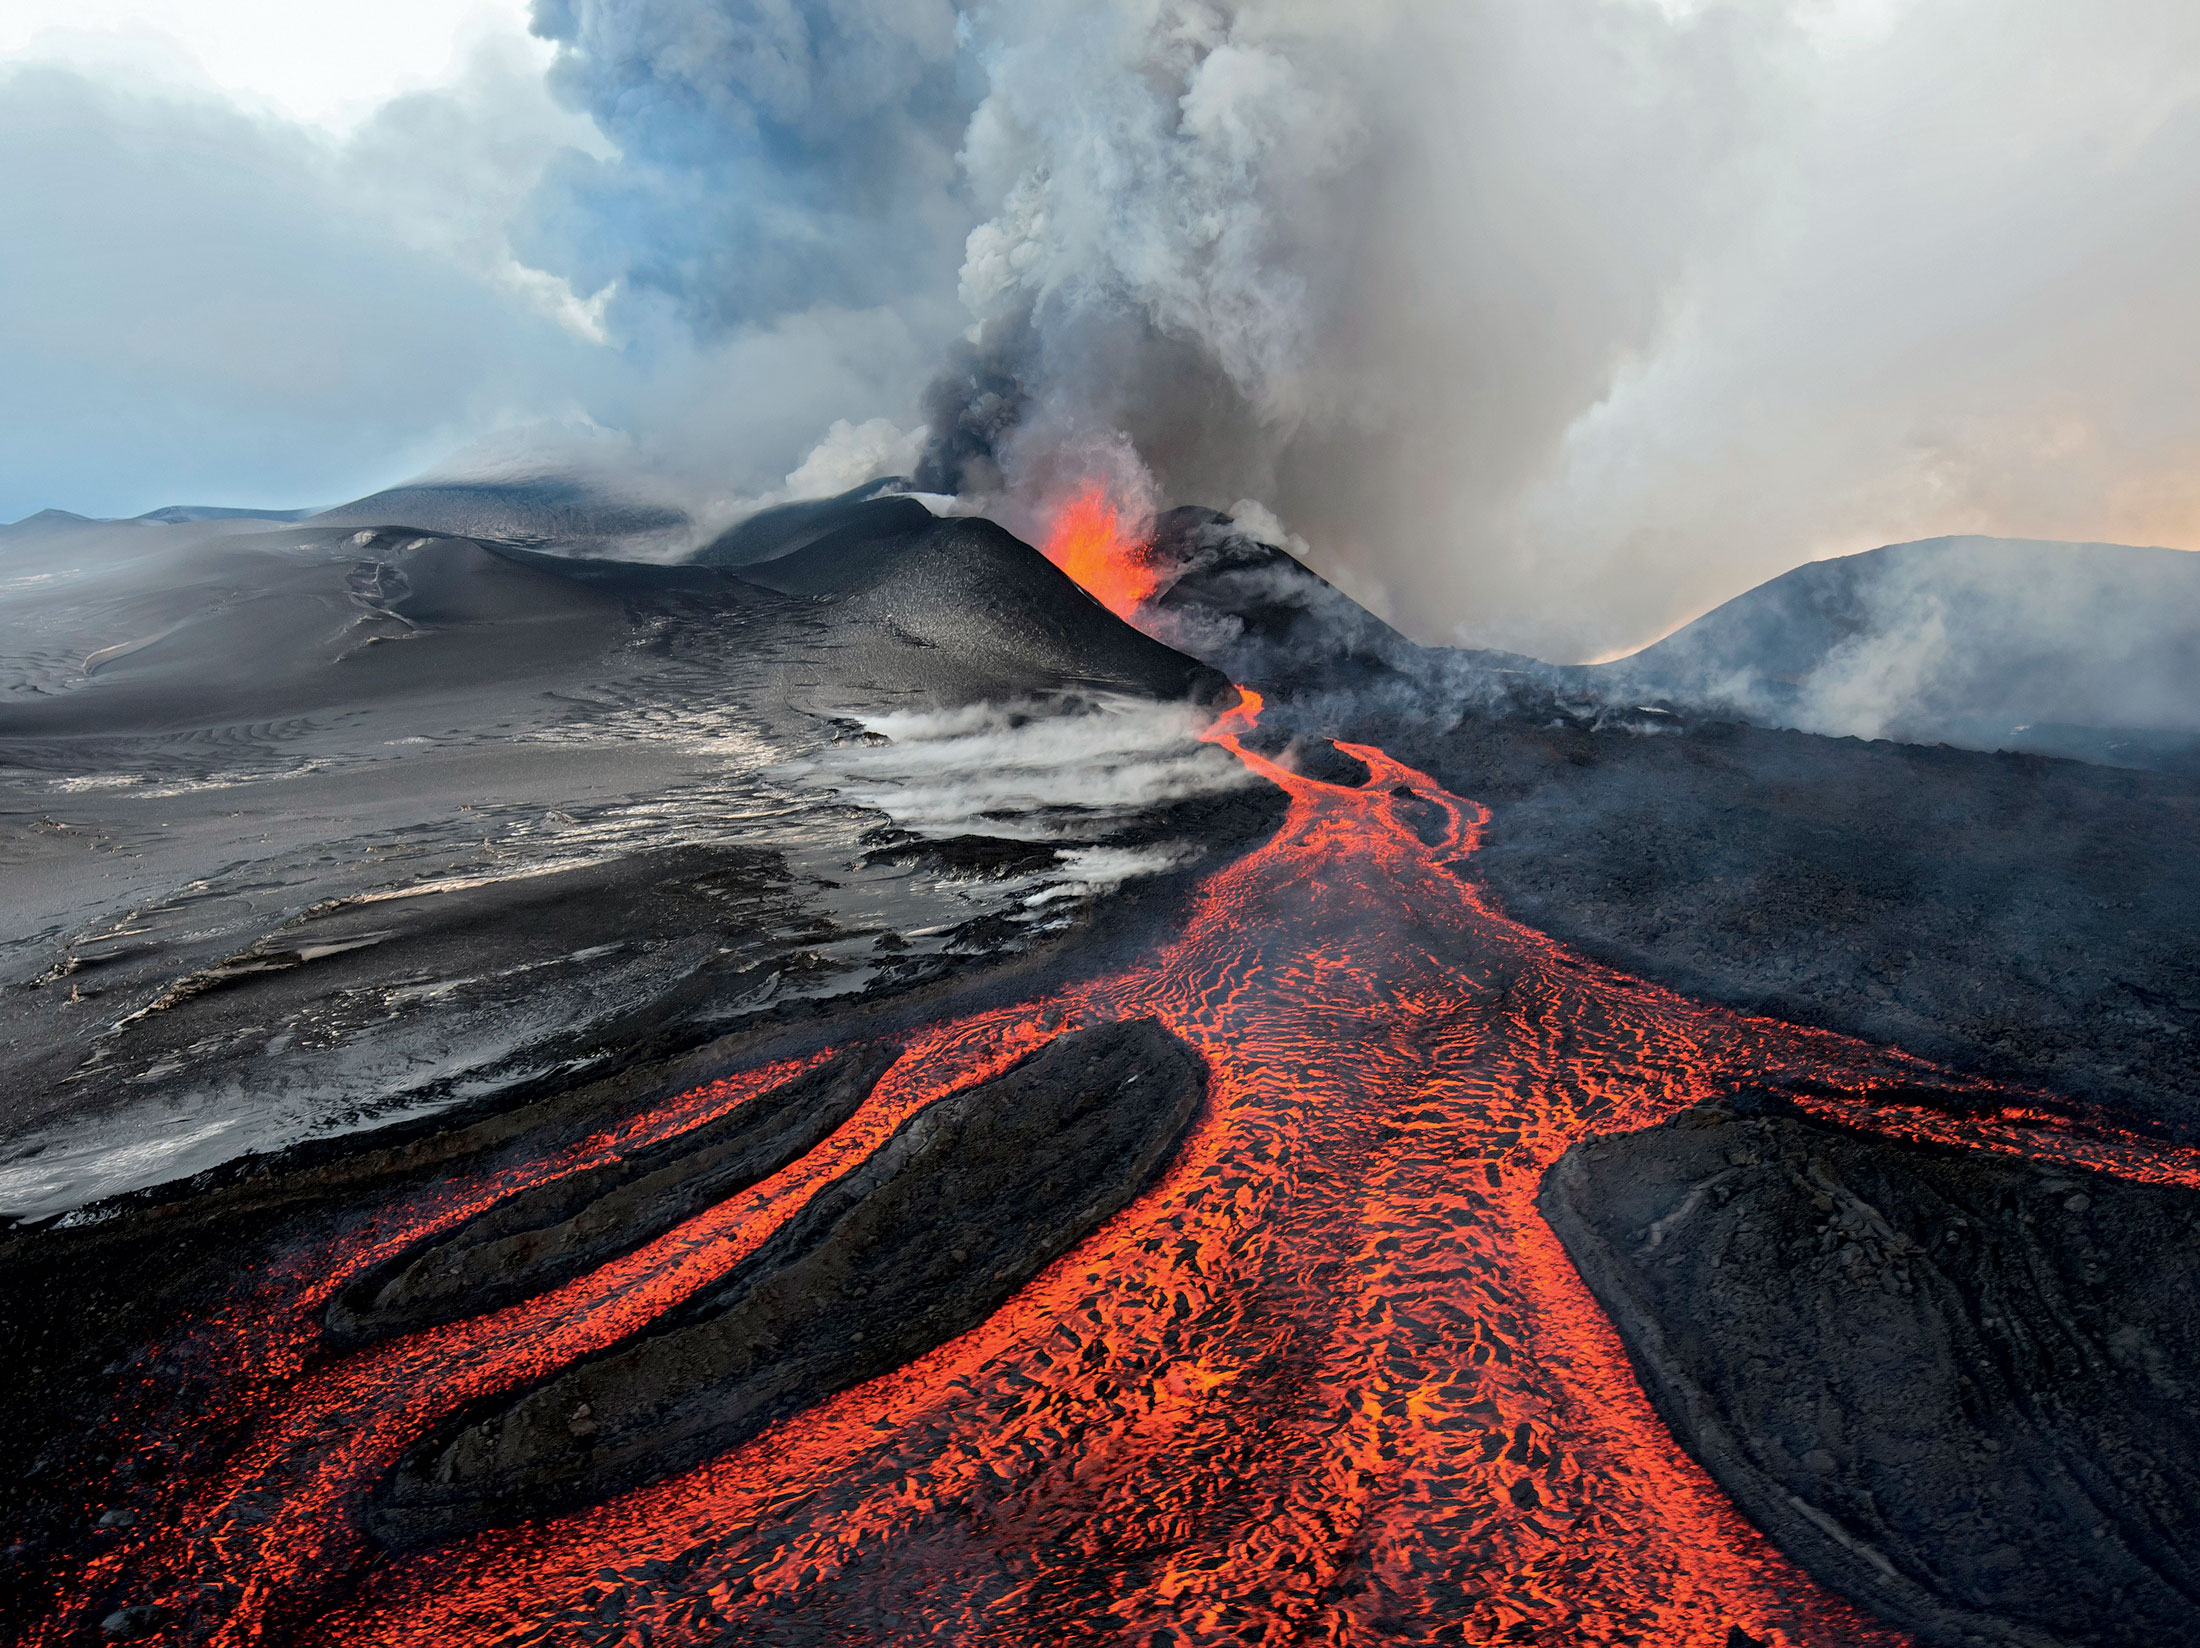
point(1107, 824)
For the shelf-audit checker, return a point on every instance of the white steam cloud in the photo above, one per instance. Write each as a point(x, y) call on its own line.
point(1971, 641)
point(1068, 772)
point(1548, 326)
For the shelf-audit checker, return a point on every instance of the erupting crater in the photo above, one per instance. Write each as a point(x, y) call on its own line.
point(1091, 542)
point(1327, 1377)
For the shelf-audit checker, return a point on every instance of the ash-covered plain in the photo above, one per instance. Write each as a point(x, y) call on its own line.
point(311, 826)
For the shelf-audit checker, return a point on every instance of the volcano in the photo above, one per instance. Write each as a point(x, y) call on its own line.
point(578, 1079)
point(2084, 650)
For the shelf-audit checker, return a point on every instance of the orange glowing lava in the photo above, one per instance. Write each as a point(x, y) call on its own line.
point(1331, 1380)
point(1088, 541)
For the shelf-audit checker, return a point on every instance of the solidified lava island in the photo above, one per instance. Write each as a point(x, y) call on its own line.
point(944, 1116)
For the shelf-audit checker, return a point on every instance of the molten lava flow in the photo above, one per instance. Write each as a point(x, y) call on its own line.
point(1088, 541)
point(1331, 1380)
point(1235, 722)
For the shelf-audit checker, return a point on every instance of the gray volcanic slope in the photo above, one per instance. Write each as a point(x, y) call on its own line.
point(307, 826)
point(2033, 919)
point(1264, 615)
point(2089, 650)
point(544, 510)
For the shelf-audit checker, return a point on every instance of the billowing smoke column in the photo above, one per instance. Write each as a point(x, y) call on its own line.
point(1160, 179)
point(1130, 201)
point(1549, 323)
point(772, 157)
point(1199, 251)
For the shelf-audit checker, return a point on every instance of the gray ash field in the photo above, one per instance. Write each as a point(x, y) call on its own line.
point(317, 826)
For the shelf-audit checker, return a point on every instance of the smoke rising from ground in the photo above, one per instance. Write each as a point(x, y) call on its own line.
point(1549, 326)
point(991, 771)
point(1982, 642)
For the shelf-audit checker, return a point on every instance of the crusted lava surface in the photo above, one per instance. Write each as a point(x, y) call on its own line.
point(957, 1210)
point(553, 1232)
point(2024, 917)
point(1953, 1383)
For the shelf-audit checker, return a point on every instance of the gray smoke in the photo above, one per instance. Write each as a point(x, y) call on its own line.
point(1355, 262)
point(771, 157)
point(1546, 324)
point(1983, 642)
point(1550, 325)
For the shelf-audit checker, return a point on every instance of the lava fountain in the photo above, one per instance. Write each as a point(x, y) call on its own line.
point(1090, 542)
point(1331, 1379)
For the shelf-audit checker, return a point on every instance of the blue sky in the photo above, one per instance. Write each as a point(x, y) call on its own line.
point(227, 284)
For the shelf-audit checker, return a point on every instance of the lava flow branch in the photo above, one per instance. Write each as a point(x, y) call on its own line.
point(1330, 1378)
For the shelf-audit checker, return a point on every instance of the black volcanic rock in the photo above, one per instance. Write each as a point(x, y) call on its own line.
point(1957, 1386)
point(968, 1200)
point(1261, 615)
point(549, 1234)
point(1315, 758)
point(2030, 919)
point(996, 857)
point(935, 607)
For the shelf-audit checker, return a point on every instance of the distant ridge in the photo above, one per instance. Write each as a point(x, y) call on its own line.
point(2081, 649)
point(50, 520)
point(186, 514)
point(542, 510)
point(54, 520)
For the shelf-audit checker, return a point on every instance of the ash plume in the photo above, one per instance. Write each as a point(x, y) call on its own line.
point(973, 407)
point(771, 158)
point(1501, 307)
point(1546, 324)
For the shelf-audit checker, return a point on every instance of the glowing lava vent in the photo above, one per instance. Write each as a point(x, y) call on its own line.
point(1090, 542)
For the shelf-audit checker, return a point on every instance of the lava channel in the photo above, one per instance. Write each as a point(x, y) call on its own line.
point(1331, 1379)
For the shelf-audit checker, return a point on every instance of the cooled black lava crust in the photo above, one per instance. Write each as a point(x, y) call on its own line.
point(966, 1202)
point(553, 1232)
point(1957, 1386)
point(2026, 918)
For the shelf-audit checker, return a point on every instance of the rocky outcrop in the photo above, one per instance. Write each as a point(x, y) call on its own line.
point(1959, 1387)
point(968, 1200)
point(1261, 615)
point(1315, 758)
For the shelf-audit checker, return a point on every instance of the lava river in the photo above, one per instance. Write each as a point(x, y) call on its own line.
point(1330, 1380)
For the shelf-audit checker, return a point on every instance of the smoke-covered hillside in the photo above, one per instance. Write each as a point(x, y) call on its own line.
point(2087, 650)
